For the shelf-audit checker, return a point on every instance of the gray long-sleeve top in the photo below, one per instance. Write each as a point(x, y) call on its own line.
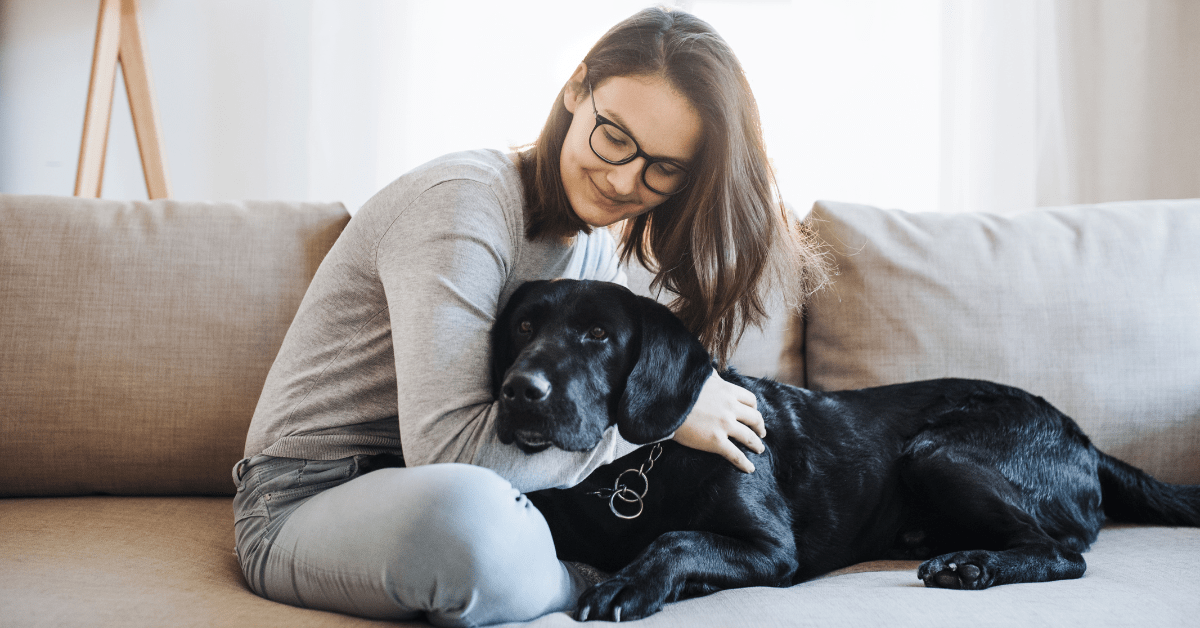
point(389, 352)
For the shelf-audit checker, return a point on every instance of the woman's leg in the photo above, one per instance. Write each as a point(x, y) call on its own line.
point(456, 542)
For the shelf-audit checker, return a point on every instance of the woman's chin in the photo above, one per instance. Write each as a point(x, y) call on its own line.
point(597, 217)
point(592, 216)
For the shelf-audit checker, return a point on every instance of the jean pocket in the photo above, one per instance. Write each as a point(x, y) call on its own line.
point(258, 479)
point(313, 477)
point(248, 504)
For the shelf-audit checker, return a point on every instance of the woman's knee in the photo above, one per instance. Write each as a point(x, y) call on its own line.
point(468, 504)
point(455, 541)
point(485, 546)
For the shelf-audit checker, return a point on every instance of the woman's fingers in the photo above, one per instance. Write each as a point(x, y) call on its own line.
point(753, 419)
point(747, 437)
point(725, 415)
point(746, 410)
point(746, 397)
point(730, 452)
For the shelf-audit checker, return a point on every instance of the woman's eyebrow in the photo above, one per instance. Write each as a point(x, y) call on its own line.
point(616, 117)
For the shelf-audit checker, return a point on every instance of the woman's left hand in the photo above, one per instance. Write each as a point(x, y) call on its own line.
point(724, 413)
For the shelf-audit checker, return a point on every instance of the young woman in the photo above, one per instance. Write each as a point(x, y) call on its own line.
point(387, 357)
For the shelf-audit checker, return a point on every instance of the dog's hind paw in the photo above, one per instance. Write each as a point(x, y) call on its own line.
point(961, 570)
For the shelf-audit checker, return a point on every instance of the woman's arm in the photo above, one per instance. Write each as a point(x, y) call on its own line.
point(443, 265)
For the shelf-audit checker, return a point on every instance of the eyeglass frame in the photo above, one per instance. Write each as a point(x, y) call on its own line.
point(638, 152)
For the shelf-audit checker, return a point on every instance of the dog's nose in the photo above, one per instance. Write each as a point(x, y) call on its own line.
point(526, 386)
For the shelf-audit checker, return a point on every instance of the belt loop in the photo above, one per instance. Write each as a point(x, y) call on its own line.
point(237, 472)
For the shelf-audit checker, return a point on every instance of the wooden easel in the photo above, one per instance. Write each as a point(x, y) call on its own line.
point(119, 40)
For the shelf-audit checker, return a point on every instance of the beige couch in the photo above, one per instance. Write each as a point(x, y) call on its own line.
point(135, 337)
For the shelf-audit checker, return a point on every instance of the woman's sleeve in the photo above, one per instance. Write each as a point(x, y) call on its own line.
point(443, 264)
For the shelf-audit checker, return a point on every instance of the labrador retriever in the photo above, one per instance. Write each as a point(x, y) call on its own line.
point(986, 483)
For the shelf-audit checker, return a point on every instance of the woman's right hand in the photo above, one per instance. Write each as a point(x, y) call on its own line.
point(724, 413)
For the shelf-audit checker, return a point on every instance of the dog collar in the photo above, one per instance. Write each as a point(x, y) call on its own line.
point(622, 492)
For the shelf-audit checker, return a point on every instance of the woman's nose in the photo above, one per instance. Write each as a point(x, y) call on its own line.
point(625, 178)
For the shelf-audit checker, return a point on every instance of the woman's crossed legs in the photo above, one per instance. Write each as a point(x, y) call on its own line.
point(456, 542)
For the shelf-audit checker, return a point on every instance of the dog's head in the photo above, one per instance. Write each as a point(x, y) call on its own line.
point(571, 358)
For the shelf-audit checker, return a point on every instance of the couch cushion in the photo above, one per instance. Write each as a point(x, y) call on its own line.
point(1096, 308)
point(132, 561)
point(135, 336)
point(759, 350)
point(1133, 579)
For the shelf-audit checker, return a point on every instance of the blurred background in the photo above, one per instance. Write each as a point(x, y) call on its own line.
point(950, 105)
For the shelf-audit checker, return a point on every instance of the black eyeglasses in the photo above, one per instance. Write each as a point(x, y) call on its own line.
point(615, 146)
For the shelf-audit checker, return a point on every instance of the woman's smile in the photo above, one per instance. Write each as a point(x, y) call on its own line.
point(612, 199)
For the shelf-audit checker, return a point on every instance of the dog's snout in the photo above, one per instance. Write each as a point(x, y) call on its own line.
point(532, 387)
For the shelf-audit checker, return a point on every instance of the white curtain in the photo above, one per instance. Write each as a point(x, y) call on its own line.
point(957, 105)
point(845, 88)
point(1054, 102)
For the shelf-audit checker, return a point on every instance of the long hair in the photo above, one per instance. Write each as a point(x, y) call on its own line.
point(726, 243)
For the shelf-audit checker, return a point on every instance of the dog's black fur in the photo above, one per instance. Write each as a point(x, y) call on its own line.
point(989, 483)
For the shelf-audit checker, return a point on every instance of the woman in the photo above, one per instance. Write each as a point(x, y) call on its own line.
point(385, 363)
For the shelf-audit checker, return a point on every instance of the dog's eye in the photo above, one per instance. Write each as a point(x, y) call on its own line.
point(525, 327)
point(597, 332)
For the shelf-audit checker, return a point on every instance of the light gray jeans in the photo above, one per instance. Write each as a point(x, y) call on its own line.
point(454, 542)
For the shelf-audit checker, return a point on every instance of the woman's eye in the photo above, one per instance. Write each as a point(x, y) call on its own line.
point(617, 139)
point(525, 327)
point(597, 332)
point(666, 169)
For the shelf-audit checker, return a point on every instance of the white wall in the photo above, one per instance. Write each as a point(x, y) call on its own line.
point(331, 99)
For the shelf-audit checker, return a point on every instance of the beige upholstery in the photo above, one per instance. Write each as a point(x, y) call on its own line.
point(1132, 580)
point(1095, 308)
point(125, 561)
point(133, 561)
point(135, 336)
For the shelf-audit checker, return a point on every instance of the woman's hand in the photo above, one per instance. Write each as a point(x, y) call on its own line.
point(723, 413)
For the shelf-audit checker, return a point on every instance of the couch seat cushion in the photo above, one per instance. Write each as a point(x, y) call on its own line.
point(1137, 576)
point(131, 561)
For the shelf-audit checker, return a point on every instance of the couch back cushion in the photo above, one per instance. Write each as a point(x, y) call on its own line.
point(1096, 308)
point(135, 336)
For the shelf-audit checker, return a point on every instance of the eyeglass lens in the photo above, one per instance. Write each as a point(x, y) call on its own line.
point(614, 146)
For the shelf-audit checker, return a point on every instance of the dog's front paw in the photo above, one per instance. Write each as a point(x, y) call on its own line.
point(621, 599)
point(960, 570)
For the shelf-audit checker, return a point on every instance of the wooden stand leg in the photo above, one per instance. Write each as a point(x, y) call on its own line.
point(119, 40)
point(90, 175)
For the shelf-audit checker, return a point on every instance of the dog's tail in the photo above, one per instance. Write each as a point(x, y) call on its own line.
point(1134, 496)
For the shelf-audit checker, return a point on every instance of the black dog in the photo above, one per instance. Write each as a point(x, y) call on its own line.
point(989, 483)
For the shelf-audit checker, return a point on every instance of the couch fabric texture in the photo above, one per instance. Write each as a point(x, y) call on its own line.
point(135, 337)
point(1095, 308)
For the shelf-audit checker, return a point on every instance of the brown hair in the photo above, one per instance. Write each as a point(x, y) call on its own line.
point(724, 243)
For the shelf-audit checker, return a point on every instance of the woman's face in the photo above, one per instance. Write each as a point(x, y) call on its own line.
point(662, 122)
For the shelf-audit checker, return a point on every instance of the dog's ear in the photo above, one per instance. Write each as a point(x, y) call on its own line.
point(502, 348)
point(671, 368)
